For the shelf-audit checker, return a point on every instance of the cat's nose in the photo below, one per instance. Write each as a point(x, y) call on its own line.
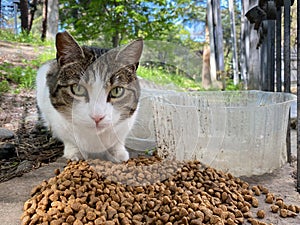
point(97, 118)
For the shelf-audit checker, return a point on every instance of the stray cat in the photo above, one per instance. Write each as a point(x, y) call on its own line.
point(88, 97)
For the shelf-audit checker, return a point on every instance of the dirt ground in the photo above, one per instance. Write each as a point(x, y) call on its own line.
point(38, 154)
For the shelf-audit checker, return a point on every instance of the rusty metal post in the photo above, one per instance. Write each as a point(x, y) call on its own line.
point(298, 96)
point(287, 66)
point(271, 55)
point(278, 50)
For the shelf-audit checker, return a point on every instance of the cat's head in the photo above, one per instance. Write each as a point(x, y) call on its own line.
point(92, 86)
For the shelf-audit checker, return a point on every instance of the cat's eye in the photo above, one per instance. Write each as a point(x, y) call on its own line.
point(116, 92)
point(78, 90)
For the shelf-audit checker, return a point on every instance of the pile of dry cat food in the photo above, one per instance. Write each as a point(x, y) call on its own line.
point(147, 191)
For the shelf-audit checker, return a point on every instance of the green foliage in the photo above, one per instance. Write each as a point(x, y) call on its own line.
point(23, 37)
point(231, 87)
point(163, 77)
point(22, 77)
point(120, 20)
point(4, 86)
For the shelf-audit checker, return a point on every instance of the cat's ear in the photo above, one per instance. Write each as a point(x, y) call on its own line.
point(67, 49)
point(131, 53)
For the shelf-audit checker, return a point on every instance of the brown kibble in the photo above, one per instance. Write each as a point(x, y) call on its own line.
point(58, 222)
point(215, 219)
point(230, 221)
point(256, 190)
point(183, 212)
point(57, 172)
point(91, 215)
point(26, 220)
point(70, 219)
point(224, 196)
point(136, 208)
point(274, 208)
point(292, 208)
point(253, 221)
point(254, 202)
point(248, 198)
point(245, 209)
point(279, 202)
point(247, 214)
point(269, 199)
point(76, 206)
point(108, 193)
point(110, 212)
point(261, 214)
point(196, 222)
point(166, 200)
point(283, 213)
point(100, 221)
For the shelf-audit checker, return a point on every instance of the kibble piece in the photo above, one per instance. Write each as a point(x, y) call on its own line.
point(26, 220)
point(256, 190)
point(274, 208)
point(99, 221)
point(283, 213)
point(230, 221)
point(70, 219)
point(254, 202)
point(76, 206)
point(253, 221)
point(91, 215)
point(279, 202)
point(261, 214)
point(269, 199)
point(292, 208)
point(297, 209)
point(110, 212)
point(196, 222)
point(166, 200)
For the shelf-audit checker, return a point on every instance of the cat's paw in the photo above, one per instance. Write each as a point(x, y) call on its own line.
point(122, 155)
point(118, 154)
point(72, 153)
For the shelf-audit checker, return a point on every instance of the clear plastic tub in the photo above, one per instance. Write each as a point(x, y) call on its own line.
point(142, 135)
point(240, 132)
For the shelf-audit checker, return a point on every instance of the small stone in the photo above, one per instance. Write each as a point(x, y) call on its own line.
point(7, 150)
point(6, 134)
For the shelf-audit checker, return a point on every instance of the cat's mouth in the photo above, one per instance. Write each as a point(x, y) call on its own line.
point(100, 127)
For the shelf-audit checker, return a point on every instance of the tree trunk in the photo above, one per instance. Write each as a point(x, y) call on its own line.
point(210, 23)
point(251, 52)
point(218, 36)
point(52, 19)
point(206, 78)
point(33, 8)
point(44, 23)
point(116, 40)
point(234, 49)
point(24, 15)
